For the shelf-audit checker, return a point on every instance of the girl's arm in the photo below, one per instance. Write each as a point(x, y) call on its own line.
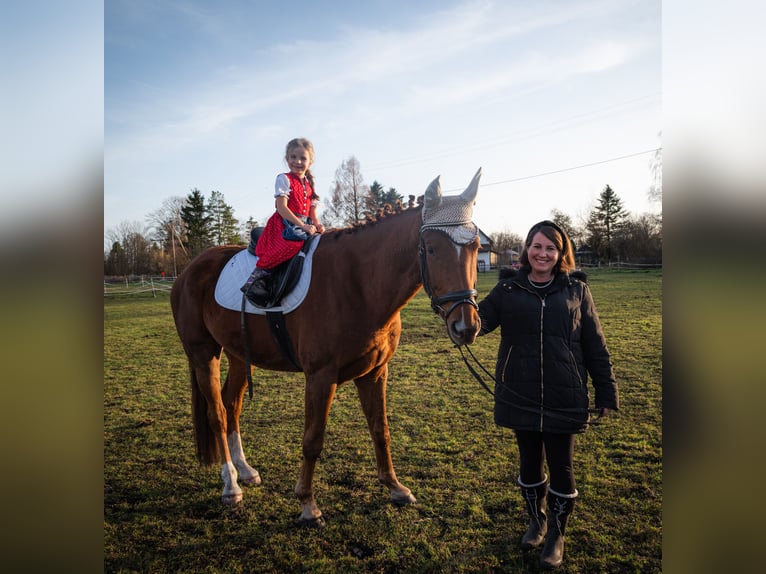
point(290, 217)
point(315, 219)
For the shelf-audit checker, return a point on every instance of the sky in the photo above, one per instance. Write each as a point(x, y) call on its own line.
point(554, 100)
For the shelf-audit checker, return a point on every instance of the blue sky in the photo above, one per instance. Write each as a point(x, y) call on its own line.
point(206, 95)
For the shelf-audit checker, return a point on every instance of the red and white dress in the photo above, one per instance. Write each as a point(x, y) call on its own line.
point(272, 249)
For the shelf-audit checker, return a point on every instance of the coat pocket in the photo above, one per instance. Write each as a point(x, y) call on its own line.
point(575, 370)
point(504, 368)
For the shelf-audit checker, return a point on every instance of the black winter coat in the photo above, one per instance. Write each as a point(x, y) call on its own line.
point(549, 345)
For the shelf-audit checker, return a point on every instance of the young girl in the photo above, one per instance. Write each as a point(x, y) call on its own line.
point(294, 220)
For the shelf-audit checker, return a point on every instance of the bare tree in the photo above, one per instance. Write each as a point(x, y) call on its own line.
point(565, 222)
point(130, 252)
point(351, 199)
point(655, 166)
point(639, 239)
point(169, 230)
point(508, 246)
point(332, 216)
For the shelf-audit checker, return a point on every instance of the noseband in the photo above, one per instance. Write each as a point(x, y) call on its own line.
point(457, 298)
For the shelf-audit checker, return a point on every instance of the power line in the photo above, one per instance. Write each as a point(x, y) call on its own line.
point(654, 150)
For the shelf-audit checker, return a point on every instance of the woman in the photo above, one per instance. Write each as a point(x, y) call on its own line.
point(551, 340)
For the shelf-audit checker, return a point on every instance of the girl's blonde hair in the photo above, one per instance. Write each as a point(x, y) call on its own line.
point(559, 238)
point(309, 147)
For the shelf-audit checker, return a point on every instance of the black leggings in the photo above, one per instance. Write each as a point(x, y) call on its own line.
point(558, 449)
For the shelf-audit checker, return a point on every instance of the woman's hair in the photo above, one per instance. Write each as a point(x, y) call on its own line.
point(560, 239)
point(309, 147)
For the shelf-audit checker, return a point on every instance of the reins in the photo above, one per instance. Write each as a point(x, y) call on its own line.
point(537, 409)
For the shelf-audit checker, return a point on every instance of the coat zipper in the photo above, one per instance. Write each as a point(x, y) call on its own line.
point(542, 385)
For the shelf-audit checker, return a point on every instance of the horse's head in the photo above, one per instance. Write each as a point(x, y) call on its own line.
point(449, 243)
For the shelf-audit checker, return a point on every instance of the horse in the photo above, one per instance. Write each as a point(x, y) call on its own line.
point(365, 275)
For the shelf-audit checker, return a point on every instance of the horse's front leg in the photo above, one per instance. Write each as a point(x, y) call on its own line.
point(232, 395)
point(319, 394)
point(372, 394)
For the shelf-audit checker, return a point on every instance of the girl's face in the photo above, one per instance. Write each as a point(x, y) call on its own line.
point(543, 255)
point(298, 160)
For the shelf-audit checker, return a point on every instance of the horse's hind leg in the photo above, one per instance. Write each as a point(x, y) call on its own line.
point(372, 394)
point(210, 418)
point(232, 395)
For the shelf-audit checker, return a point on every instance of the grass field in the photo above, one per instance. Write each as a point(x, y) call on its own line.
point(162, 511)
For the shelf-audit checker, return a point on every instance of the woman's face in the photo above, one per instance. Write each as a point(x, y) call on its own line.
point(298, 160)
point(543, 255)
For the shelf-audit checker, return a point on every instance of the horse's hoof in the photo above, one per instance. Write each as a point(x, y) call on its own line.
point(232, 499)
point(403, 499)
point(252, 481)
point(315, 522)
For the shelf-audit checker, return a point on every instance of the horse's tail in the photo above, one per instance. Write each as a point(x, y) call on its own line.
point(208, 451)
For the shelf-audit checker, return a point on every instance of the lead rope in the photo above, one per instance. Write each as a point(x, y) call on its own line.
point(548, 412)
point(476, 375)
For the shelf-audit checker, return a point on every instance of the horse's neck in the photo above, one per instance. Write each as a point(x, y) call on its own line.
point(389, 261)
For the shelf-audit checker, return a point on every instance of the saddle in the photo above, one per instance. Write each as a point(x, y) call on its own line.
point(284, 277)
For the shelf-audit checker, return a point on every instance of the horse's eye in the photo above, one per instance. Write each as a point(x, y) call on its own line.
point(431, 250)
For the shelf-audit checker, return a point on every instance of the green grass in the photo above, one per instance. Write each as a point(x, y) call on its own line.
point(162, 511)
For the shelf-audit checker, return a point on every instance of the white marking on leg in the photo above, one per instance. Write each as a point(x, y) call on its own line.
point(247, 474)
point(232, 493)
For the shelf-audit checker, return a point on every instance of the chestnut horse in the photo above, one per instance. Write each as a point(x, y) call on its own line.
point(347, 328)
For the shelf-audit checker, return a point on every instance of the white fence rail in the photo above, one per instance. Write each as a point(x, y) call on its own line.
point(137, 285)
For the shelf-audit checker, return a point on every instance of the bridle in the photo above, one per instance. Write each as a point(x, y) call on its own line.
point(457, 298)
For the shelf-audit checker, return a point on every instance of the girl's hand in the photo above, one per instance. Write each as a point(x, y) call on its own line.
point(320, 228)
point(309, 229)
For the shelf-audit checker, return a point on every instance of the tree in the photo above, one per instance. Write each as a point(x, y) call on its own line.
point(505, 242)
point(197, 223)
point(381, 198)
point(129, 254)
point(332, 216)
point(351, 199)
point(639, 239)
point(115, 262)
point(223, 224)
point(564, 221)
point(604, 221)
point(655, 167)
point(170, 233)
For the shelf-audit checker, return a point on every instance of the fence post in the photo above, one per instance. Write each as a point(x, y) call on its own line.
point(154, 293)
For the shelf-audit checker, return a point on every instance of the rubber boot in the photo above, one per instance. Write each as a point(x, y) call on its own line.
point(559, 509)
point(535, 497)
point(256, 288)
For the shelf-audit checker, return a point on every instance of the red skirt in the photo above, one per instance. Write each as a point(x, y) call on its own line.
point(272, 249)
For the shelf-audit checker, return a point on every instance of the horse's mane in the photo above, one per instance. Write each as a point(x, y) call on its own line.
point(371, 220)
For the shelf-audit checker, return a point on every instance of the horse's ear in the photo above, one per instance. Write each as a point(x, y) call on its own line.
point(433, 194)
point(469, 195)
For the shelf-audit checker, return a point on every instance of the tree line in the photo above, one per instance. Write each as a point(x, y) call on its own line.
point(183, 227)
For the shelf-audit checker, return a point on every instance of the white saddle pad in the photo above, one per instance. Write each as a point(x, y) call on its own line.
point(238, 269)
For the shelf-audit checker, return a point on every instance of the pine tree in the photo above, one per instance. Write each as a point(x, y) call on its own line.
point(197, 222)
point(607, 218)
point(223, 224)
